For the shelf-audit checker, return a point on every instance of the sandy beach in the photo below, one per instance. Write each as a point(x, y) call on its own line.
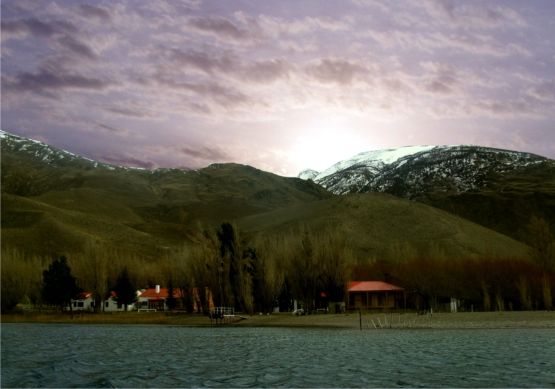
point(368, 321)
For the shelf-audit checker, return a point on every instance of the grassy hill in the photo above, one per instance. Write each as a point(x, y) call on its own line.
point(381, 226)
point(53, 202)
point(506, 202)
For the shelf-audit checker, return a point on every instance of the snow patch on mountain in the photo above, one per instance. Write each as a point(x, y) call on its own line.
point(52, 155)
point(411, 171)
point(373, 159)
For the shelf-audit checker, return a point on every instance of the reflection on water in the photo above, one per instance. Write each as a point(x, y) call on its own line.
point(165, 356)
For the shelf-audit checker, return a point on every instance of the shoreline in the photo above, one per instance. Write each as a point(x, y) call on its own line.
point(369, 321)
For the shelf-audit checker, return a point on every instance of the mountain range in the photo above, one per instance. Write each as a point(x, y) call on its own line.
point(382, 203)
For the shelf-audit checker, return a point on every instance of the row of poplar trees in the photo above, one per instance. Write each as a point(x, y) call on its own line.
point(268, 271)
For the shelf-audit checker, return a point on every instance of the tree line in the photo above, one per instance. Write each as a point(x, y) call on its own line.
point(251, 276)
point(256, 274)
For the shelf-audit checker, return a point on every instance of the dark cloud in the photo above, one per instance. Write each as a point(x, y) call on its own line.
point(111, 129)
point(224, 96)
point(46, 81)
point(220, 27)
point(206, 153)
point(441, 78)
point(256, 71)
point(443, 83)
point(503, 108)
point(77, 47)
point(37, 27)
point(337, 71)
point(267, 71)
point(91, 11)
point(62, 32)
point(441, 7)
point(472, 15)
point(200, 108)
point(203, 61)
point(437, 86)
point(544, 91)
point(124, 111)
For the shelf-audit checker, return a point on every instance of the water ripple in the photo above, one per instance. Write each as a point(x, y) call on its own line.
point(40, 355)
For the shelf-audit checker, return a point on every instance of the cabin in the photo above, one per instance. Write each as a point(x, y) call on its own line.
point(374, 295)
point(84, 301)
point(156, 299)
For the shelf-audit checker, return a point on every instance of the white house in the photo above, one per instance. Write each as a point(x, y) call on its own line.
point(83, 302)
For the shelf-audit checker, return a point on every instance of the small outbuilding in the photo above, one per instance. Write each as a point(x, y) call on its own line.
point(374, 295)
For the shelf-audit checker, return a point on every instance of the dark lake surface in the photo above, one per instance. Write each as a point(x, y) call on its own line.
point(56, 355)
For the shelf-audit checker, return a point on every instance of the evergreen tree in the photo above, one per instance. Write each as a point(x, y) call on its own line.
point(171, 300)
point(125, 290)
point(58, 284)
point(234, 272)
point(228, 270)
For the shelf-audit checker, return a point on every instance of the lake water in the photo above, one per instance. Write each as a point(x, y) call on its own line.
point(46, 355)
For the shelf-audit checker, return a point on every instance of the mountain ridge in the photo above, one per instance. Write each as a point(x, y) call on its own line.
point(376, 161)
point(58, 205)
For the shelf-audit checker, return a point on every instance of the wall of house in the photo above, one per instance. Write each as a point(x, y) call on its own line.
point(82, 305)
point(111, 305)
point(371, 300)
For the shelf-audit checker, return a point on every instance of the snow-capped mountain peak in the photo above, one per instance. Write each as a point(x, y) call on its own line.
point(308, 174)
point(407, 171)
point(373, 159)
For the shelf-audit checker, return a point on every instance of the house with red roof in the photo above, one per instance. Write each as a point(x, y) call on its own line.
point(156, 298)
point(84, 301)
point(374, 295)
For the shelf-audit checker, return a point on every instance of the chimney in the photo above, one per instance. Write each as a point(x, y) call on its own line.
point(157, 289)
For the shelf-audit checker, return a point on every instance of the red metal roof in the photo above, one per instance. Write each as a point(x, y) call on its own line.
point(150, 293)
point(372, 286)
point(83, 295)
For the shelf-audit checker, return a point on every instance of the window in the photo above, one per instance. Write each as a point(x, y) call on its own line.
point(80, 304)
point(107, 304)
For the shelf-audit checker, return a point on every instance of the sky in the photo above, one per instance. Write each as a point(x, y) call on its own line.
point(279, 85)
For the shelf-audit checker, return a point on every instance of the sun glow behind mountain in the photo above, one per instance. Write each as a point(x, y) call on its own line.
point(324, 142)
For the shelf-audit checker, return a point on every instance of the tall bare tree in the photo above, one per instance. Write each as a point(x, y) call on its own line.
point(543, 252)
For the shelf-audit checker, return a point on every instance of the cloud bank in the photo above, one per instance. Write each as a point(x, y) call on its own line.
point(270, 84)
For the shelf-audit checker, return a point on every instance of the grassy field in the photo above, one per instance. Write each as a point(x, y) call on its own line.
point(373, 321)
